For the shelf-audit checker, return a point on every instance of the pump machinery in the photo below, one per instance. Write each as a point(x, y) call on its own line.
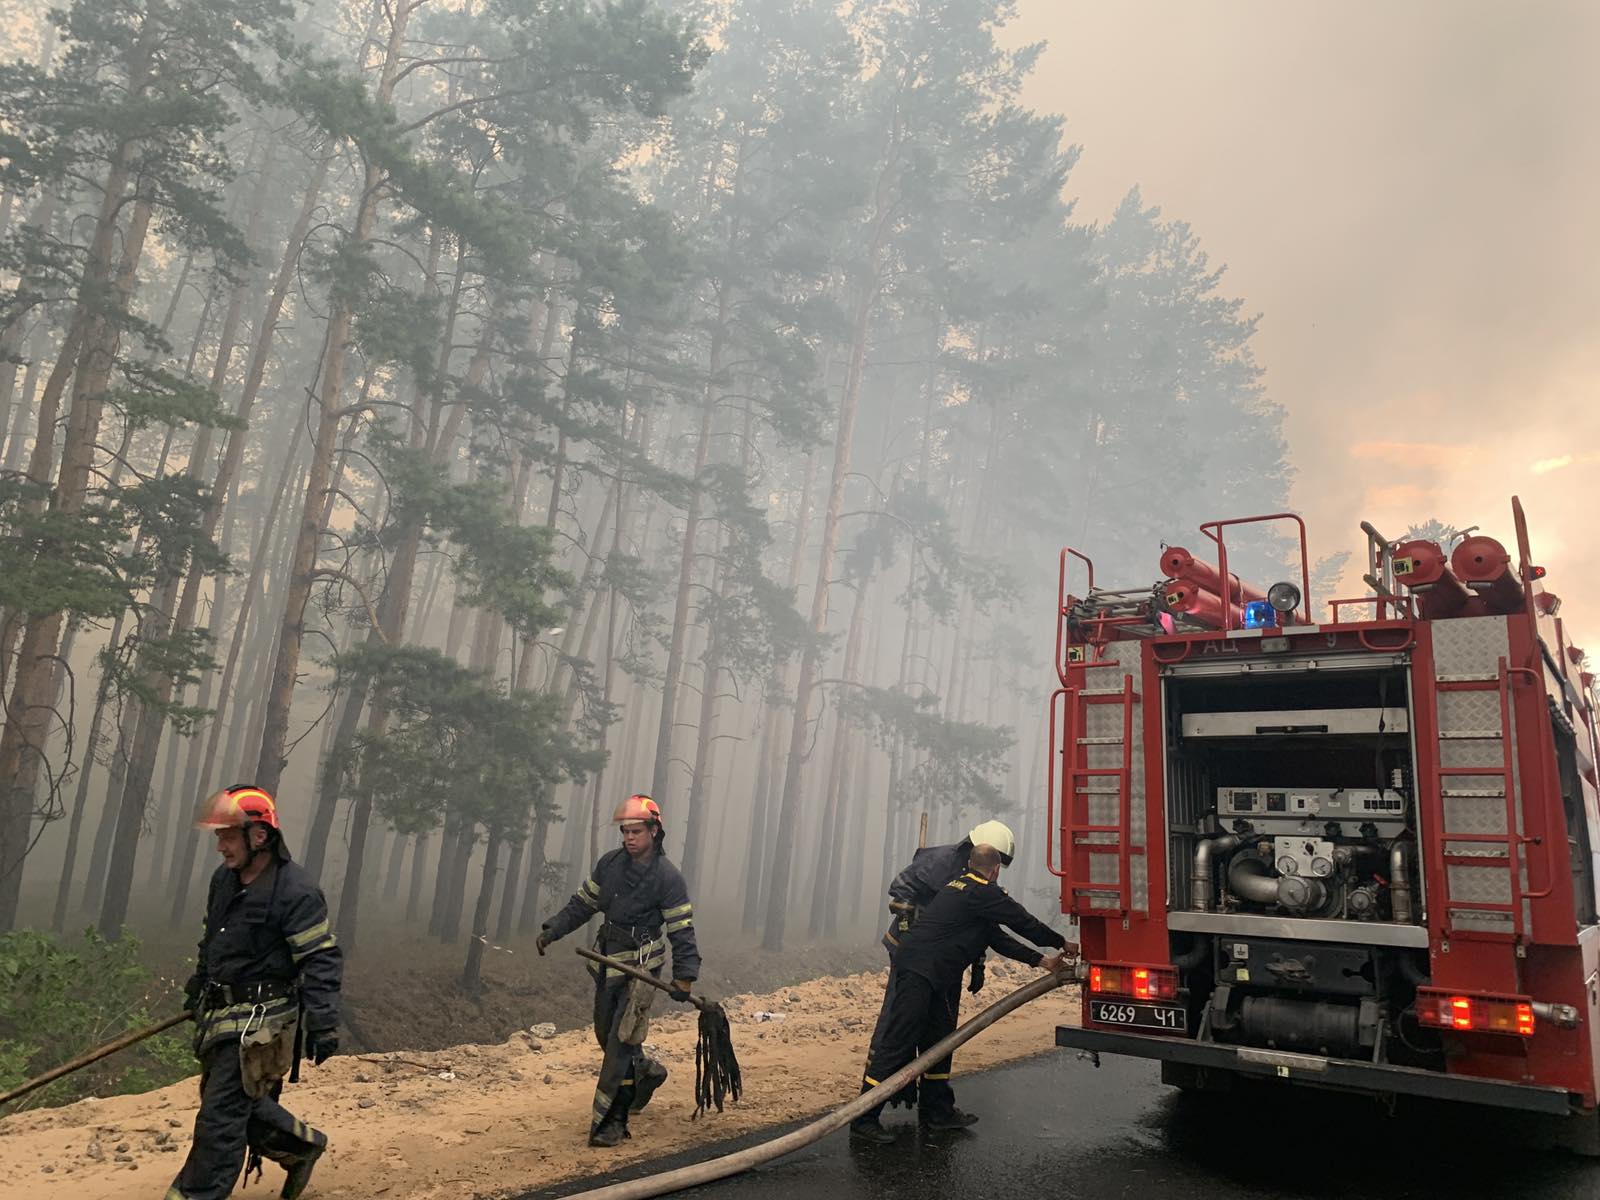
point(1356, 847)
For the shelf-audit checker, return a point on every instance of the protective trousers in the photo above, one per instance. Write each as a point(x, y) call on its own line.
point(922, 1013)
point(621, 1019)
point(229, 1123)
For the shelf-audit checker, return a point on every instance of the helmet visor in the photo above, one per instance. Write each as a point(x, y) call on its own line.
point(220, 811)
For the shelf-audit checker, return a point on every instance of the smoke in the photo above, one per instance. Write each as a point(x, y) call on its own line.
point(1406, 193)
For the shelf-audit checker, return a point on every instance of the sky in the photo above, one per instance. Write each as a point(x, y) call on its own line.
point(1408, 193)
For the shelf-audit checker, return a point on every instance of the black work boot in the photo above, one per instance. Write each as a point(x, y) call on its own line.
point(869, 1130)
point(945, 1121)
point(649, 1079)
point(613, 1131)
point(294, 1184)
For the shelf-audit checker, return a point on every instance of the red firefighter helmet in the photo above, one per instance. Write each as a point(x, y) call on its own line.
point(236, 807)
point(637, 807)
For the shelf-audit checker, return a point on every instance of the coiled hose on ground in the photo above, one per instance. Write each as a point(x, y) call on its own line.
point(799, 1139)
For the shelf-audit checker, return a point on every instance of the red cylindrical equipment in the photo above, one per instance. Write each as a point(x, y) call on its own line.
point(1484, 566)
point(1422, 567)
point(1184, 597)
point(1178, 563)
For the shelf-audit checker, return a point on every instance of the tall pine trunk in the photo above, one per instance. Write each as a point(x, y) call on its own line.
point(810, 659)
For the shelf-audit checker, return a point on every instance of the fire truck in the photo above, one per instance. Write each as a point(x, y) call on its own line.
point(1359, 852)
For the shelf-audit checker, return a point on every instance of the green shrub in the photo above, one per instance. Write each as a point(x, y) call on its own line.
point(59, 999)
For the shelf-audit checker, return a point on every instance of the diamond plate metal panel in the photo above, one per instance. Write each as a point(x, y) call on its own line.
point(1469, 646)
point(1482, 922)
point(1476, 752)
point(1492, 851)
point(1479, 885)
point(1468, 712)
point(1104, 721)
point(1474, 814)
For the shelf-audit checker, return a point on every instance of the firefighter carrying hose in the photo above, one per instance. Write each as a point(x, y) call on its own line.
point(646, 905)
point(265, 989)
point(951, 932)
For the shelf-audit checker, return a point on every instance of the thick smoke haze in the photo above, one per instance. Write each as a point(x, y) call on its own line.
point(1407, 194)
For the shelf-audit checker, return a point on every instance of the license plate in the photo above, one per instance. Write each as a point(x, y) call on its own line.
point(1169, 1017)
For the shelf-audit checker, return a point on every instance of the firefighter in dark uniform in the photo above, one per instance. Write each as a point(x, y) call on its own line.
point(932, 867)
point(952, 931)
point(646, 906)
point(265, 989)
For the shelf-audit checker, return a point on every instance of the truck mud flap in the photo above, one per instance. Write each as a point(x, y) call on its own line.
point(1342, 1073)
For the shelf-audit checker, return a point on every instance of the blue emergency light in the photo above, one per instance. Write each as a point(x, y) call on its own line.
point(1259, 614)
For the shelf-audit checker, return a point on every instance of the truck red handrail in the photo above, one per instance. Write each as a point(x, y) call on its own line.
point(1222, 553)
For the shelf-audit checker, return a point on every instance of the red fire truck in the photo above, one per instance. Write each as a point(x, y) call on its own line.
point(1360, 853)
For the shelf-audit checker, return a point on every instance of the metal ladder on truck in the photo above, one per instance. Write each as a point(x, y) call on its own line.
point(1498, 849)
point(1078, 783)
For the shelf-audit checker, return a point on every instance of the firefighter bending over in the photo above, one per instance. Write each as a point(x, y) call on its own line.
point(951, 931)
point(265, 986)
point(932, 867)
point(646, 905)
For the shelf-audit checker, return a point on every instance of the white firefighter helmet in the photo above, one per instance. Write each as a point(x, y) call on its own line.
point(997, 834)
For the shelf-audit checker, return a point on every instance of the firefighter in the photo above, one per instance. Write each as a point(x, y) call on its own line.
point(932, 867)
point(646, 905)
point(951, 931)
point(265, 988)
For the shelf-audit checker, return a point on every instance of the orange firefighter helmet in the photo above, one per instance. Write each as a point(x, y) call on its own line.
point(637, 807)
point(236, 807)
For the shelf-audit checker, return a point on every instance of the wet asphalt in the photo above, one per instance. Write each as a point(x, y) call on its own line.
point(1056, 1126)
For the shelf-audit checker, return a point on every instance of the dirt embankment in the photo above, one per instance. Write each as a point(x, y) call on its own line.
point(495, 1120)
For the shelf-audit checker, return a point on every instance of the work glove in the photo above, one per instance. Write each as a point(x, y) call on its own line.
point(975, 984)
point(191, 995)
point(321, 1045)
point(679, 990)
point(543, 943)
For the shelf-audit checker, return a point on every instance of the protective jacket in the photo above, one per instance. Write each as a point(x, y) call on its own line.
point(957, 924)
point(646, 905)
point(265, 948)
point(931, 867)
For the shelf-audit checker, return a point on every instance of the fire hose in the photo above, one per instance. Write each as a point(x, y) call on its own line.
point(798, 1139)
point(93, 1056)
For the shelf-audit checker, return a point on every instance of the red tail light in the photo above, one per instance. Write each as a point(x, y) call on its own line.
point(1128, 979)
point(1473, 1013)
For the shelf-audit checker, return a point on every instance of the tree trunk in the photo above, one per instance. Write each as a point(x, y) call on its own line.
point(686, 561)
point(441, 873)
point(535, 882)
point(419, 858)
point(80, 801)
point(94, 885)
point(472, 973)
point(810, 659)
point(17, 441)
point(391, 874)
point(456, 896)
point(262, 555)
point(508, 901)
point(760, 850)
point(174, 622)
point(341, 318)
point(28, 711)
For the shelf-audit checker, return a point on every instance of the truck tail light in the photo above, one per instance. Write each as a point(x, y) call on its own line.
point(1128, 979)
point(1468, 1012)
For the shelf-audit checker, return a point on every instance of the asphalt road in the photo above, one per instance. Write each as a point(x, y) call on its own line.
point(1055, 1126)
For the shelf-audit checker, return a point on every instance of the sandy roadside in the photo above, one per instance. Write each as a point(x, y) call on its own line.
point(496, 1120)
